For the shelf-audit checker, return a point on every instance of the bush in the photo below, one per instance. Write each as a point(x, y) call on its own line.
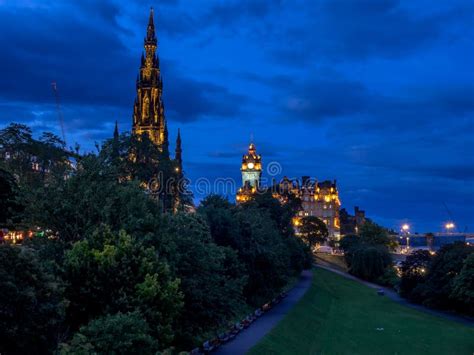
point(261, 233)
point(113, 334)
point(437, 289)
point(31, 303)
point(370, 262)
point(414, 271)
point(120, 275)
point(389, 278)
point(463, 286)
point(212, 278)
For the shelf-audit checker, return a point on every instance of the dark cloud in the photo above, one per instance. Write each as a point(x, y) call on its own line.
point(189, 99)
point(377, 94)
point(345, 30)
point(324, 98)
point(229, 13)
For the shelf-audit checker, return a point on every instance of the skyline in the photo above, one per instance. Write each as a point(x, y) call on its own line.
point(397, 144)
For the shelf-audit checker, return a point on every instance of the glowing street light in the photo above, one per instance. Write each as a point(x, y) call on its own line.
point(449, 226)
point(406, 231)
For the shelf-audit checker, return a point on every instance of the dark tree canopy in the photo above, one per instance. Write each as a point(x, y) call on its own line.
point(113, 334)
point(115, 264)
point(31, 303)
point(414, 270)
point(436, 290)
point(313, 231)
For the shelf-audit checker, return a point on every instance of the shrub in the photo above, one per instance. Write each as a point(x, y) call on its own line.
point(113, 334)
point(370, 262)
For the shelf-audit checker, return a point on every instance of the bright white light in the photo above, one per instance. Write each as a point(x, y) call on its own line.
point(449, 225)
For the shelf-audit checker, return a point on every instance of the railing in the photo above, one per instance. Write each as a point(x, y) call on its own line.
point(222, 338)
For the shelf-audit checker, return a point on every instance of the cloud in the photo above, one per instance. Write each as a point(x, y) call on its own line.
point(345, 30)
point(189, 99)
point(377, 94)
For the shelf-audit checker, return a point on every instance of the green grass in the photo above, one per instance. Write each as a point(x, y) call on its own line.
point(341, 316)
point(336, 261)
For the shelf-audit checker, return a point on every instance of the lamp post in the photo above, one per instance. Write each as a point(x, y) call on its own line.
point(449, 226)
point(406, 231)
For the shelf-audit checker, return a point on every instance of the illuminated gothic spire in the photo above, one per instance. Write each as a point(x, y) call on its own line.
point(148, 112)
point(150, 31)
point(116, 143)
point(178, 150)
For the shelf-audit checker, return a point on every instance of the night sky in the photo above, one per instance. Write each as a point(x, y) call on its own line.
point(376, 94)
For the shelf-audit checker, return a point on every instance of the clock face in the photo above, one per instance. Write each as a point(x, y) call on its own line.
point(250, 165)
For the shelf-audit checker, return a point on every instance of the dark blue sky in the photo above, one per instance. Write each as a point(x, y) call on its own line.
point(376, 94)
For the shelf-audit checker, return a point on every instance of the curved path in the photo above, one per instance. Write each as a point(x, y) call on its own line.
point(396, 297)
point(253, 334)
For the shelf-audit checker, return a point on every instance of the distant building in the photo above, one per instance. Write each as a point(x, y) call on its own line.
point(148, 118)
point(350, 224)
point(148, 109)
point(251, 170)
point(318, 199)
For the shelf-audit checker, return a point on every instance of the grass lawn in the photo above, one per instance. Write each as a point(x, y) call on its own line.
point(341, 316)
point(337, 261)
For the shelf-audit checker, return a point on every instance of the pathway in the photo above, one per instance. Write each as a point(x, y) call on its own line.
point(396, 297)
point(253, 334)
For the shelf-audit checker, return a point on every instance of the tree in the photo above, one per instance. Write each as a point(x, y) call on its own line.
point(138, 158)
point(31, 303)
point(437, 289)
point(349, 243)
point(260, 232)
point(281, 214)
point(463, 286)
point(262, 249)
point(113, 334)
point(9, 206)
point(114, 273)
point(218, 213)
point(33, 162)
point(370, 262)
point(373, 234)
point(313, 231)
point(212, 278)
point(414, 271)
point(93, 196)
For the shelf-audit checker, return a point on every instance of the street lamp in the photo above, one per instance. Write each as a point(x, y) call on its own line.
point(406, 231)
point(449, 226)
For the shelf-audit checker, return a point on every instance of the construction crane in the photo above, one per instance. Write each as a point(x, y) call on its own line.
point(54, 86)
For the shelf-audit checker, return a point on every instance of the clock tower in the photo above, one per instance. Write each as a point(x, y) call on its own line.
point(251, 170)
point(251, 167)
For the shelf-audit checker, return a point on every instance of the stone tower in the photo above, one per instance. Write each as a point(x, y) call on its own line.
point(251, 170)
point(148, 110)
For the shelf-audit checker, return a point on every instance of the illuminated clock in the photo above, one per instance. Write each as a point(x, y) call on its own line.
point(250, 165)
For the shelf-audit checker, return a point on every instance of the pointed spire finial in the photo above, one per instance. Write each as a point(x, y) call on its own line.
point(150, 20)
point(116, 131)
point(150, 31)
point(178, 150)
